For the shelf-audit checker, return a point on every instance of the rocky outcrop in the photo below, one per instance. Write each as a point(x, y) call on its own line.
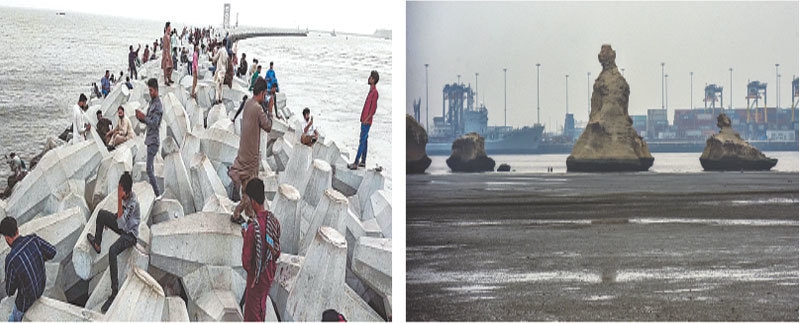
point(609, 143)
point(469, 155)
point(727, 151)
point(417, 160)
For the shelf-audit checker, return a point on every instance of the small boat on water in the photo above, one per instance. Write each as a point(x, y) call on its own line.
point(61, 13)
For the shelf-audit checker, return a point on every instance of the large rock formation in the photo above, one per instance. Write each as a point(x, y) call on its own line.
point(727, 151)
point(469, 155)
point(609, 143)
point(417, 160)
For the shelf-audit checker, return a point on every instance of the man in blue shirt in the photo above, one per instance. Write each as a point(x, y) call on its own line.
point(272, 80)
point(152, 139)
point(124, 222)
point(106, 85)
point(25, 272)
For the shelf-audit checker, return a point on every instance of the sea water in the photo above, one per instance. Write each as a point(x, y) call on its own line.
point(49, 60)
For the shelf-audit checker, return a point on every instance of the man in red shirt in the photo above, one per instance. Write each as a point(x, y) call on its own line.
point(370, 106)
point(260, 251)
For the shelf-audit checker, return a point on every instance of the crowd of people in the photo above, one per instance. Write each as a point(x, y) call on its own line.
point(260, 228)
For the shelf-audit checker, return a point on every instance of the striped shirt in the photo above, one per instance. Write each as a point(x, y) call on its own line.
point(25, 271)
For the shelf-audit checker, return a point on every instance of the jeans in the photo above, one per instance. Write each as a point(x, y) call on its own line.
point(16, 315)
point(362, 143)
point(152, 150)
point(125, 241)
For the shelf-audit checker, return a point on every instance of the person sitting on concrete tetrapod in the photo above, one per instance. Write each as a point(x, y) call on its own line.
point(125, 223)
point(260, 251)
point(25, 271)
point(105, 82)
point(310, 134)
point(123, 132)
point(80, 128)
point(103, 124)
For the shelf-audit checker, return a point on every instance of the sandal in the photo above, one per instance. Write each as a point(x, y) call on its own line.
point(94, 244)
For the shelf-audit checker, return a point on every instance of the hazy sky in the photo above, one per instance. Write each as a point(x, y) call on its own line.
point(706, 38)
point(359, 16)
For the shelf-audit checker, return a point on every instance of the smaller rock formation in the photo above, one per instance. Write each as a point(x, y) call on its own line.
point(504, 168)
point(417, 160)
point(469, 155)
point(727, 151)
point(609, 143)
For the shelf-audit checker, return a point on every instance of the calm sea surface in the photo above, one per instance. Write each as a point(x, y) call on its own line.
point(664, 162)
point(50, 60)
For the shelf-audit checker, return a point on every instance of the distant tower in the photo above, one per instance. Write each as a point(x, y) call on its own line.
point(755, 91)
point(226, 16)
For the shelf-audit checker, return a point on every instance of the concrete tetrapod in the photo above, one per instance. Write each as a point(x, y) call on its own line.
point(318, 182)
point(46, 309)
point(111, 168)
point(213, 293)
point(297, 170)
point(285, 210)
point(345, 180)
point(319, 283)
point(282, 152)
point(380, 209)
point(190, 148)
point(166, 210)
point(75, 161)
point(135, 257)
point(220, 146)
point(372, 182)
point(183, 245)
point(204, 180)
point(217, 112)
point(372, 262)
point(177, 183)
point(175, 117)
point(219, 204)
point(331, 211)
point(61, 230)
point(68, 195)
point(140, 298)
point(175, 310)
point(86, 261)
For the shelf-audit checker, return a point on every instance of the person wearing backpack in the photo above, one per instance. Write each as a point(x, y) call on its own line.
point(260, 251)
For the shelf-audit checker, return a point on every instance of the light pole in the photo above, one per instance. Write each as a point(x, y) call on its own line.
point(691, 93)
point(476, 88)
point(459, 79)
point(588, 97)
point(537, 93)
point(662, 86)
point(505, 98)
point(666, 91)
point(730, 104)
point(566, 86)
point(426, 100)
point(777, 88)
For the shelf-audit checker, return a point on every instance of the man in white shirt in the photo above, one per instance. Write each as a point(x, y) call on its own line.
point(310, 134)
point(79, 125)
point(220, 60)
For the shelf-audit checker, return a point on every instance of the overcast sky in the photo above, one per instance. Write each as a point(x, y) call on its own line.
point(706, 38)
point(358, 16)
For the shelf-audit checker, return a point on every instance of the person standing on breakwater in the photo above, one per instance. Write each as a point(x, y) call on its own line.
point(195, 57)
point(220, 60)
point(370, 106)
point(125, 223)
point(105, 85)
point(146, 55)
point(260, 251)
point(79, 127)
point(245, 166)
point(152, 140)
point(25, 271)
point(252, 69)
point(166, 59)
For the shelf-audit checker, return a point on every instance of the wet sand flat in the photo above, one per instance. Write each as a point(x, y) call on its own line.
point(643, 246)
